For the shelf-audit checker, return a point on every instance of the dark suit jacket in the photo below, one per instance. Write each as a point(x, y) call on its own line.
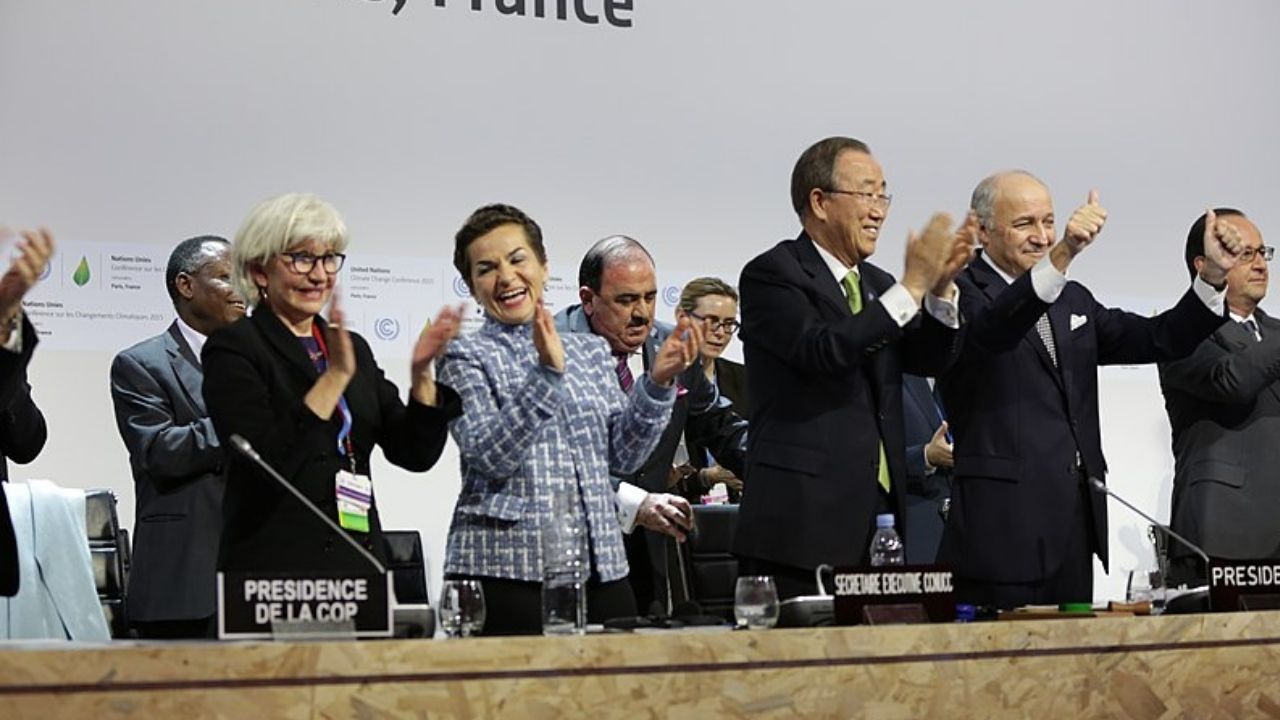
point(731, 382)
point(826, 386)
point(256, 373)
point(1224, 406)
point(925, 491)
point(177, 478)
point(22, 436)
point(1018, 422)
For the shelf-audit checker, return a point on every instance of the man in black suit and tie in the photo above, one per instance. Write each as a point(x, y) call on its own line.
point(1224, 407)
point(175, 456)
point(22, 427)
point(1023, 396)
point(826, 336)
point(618, 289)
point(929, 466)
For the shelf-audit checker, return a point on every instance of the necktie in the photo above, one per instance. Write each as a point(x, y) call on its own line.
point(625, 378)
point(1252, 327)
point(1046, 337)
point(853, 286)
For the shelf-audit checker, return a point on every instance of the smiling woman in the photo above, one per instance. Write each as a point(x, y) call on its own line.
point(310, 398)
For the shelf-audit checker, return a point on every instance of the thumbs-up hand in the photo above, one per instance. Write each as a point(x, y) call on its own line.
point(938, 452)
point(1085, 223)
point(1222, 246)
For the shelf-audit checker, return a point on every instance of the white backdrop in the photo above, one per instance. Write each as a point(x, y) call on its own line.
point(134, 124)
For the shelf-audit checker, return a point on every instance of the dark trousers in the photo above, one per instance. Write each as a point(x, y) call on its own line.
point(514, 607)
point(1072, 582)
point(198, 629)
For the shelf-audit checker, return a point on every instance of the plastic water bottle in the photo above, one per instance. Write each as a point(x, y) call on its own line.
point(565, 568)
point(886, 546)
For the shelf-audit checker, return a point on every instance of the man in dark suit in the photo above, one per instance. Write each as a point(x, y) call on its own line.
point(929, 466)
point(22, 427)
point(618, 288)
point(826, 336)
point(1224, 407)
point(156, 387)
point(1023, 397)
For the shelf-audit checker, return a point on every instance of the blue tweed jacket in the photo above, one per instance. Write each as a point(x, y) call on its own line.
point(527, 431)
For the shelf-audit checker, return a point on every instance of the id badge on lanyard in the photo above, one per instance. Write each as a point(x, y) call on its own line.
point(354, 491)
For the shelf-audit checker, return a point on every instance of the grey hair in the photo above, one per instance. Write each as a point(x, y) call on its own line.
point(613, 249)
point(273, 227)
point(983, 202)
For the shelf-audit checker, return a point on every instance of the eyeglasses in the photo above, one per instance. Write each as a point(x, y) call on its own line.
point(880, 200)
point(304, 262)
point(714, 323)
point(1248, 254)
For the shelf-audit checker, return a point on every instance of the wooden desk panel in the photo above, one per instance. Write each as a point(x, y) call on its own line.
point(1190, 666)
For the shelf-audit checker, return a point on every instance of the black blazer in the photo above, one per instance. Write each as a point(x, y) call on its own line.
point(731, 381)
point(256, 373)
point(826, 386)
point(22, 436)
point(1018, 422)
point(1224, 408)
point(926, 492)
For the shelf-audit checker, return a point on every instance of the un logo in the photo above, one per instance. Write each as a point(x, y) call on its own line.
point(387, 328)
point(671, 295)
point(460, 287)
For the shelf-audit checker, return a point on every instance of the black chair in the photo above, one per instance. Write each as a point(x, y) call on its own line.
point(711, 567)
point(404, 557)
point(109, 553)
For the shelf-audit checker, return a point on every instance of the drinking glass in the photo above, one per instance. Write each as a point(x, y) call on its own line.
point(755, 602)
point(461, 608)
point(1148, 585)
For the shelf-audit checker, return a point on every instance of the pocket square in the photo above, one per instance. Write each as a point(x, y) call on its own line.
point(1078, 320)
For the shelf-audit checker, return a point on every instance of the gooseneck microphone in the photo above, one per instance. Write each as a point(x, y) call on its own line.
point(1102, 487)
point(244, 448)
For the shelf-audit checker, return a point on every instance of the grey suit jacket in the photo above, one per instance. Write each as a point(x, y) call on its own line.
point(1223, 402)
point(176, 463)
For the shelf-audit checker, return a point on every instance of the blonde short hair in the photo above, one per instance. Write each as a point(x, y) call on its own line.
point(698, 288)
point(275, 225)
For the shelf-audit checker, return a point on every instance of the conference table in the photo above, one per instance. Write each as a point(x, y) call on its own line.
point(1210, 665)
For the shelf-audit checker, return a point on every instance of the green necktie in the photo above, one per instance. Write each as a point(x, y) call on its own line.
point(853, 286)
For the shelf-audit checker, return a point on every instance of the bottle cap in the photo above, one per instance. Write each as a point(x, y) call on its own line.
point(884, 521)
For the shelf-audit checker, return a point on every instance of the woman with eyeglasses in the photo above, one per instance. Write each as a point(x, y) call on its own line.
point(309, 397)
point(713, 303)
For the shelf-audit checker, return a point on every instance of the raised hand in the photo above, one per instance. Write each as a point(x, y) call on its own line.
point(962, 244)
point(33, 252)
point(667, 514)
point(929, 255)
point(1222, 246)
point(433, 339)
point(342, 357)
point(546, 339)
point(1085, 223)
point(678, 352)
point(938, 452)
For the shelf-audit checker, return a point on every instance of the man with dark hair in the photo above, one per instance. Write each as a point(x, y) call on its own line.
point(22, 427)
point(156, 387)
point(826, 337)
point(1025, 521)
point(1223, 402)
point(618, 290)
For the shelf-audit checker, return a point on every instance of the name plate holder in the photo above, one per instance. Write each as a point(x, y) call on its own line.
point(1244, 585)
point(901, 594)
point(304, 605)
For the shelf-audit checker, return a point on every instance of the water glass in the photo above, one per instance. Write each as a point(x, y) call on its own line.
point(755, 602)
point(1146, 585)
point(461, 608)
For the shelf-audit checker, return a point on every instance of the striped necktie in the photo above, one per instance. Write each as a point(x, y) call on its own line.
point(1252, 327)
point(853, 287)
point(625, 378)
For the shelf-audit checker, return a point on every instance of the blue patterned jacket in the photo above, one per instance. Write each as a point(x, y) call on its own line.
point(527, 431)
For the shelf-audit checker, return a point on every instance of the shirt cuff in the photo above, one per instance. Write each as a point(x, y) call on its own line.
point(944, 310)
point(901, 306)
point(1212, 299)
point(1047, 281)
point(628, 500)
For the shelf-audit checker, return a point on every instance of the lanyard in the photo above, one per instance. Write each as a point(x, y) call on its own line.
point(344, 435)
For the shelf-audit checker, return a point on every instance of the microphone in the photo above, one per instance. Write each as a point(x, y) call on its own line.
point(244, 448)
point(1102, 487)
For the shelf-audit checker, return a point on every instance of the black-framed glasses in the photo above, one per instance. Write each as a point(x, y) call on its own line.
point(1248, 254)
point(714, 323)
point(304, 262)
point(881, 200)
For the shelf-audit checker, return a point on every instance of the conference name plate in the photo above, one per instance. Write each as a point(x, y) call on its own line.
point(896, 594)
point(256, 605)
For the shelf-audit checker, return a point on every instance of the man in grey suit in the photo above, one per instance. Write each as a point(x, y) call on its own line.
point(1223, 402)
point(173, 451)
